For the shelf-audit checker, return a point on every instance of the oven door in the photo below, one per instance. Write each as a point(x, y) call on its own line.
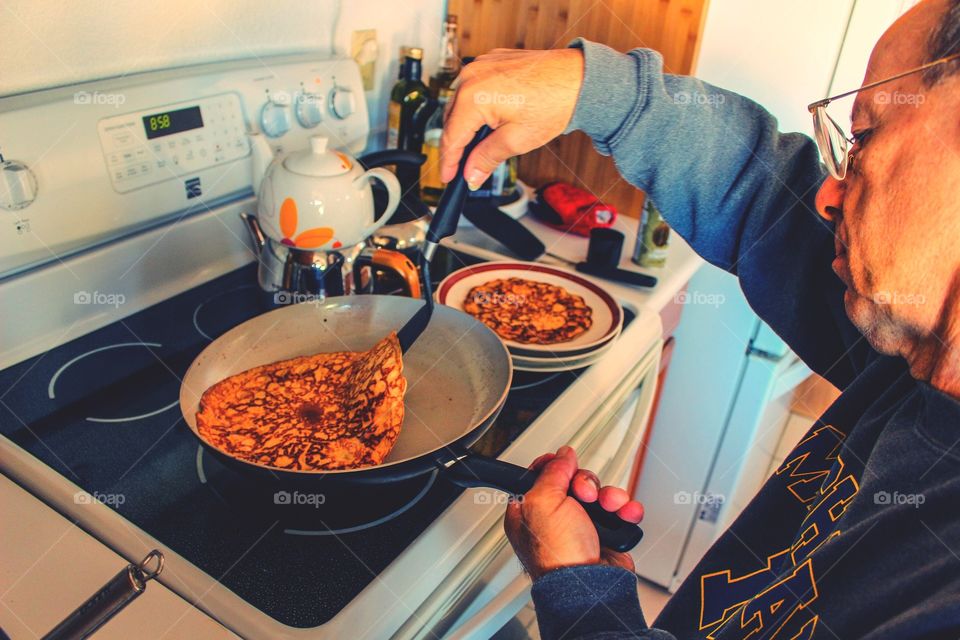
point(488, 587)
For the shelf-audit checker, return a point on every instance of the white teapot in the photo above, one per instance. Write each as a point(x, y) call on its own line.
point(317, 198)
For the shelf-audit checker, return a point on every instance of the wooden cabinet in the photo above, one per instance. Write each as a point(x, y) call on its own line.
point(673, 27)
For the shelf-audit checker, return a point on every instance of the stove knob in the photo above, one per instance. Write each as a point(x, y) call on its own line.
point(342, 102)
point(309, 109)
point(274, 119)
point(18, 185)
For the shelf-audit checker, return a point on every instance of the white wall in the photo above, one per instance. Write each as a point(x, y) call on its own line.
point(870, 19)
point(783, 54)
point(398, 23)
point(45, 43)
point(780, 54)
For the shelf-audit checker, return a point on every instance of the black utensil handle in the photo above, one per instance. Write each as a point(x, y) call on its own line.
point(391, 156)
point(504, 229)
point(454, 195)
point(475, 470)
point(618, 275)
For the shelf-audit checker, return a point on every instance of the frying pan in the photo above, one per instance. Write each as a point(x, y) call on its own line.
point(469, 358)
point(458, 374)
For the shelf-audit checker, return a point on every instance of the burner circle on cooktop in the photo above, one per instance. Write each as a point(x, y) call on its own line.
point(225, 310)
point(323, 511)
point(529, 379)
point(117, 388)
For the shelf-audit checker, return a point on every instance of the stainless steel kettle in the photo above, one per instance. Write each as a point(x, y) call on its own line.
point(294, 275)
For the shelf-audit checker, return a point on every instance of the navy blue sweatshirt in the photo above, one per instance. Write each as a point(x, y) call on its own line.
point(857, 535)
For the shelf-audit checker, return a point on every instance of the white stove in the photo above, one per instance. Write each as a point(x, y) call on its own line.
point(122, 255)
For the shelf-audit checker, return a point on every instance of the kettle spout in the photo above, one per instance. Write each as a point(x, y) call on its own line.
point(262, 157)
point(256, 233)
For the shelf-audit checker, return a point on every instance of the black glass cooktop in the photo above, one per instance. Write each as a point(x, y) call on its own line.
point(103, 411)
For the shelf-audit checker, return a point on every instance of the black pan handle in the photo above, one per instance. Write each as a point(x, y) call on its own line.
point(474, 470)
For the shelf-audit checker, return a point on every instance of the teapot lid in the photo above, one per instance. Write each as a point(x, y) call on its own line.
point(318, 161)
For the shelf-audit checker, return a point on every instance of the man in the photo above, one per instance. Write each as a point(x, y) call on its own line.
point(857, 534)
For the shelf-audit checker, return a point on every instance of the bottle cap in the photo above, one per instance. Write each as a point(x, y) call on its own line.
point(415, 52)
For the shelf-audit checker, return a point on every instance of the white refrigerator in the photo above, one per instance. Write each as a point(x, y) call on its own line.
point(716, 436)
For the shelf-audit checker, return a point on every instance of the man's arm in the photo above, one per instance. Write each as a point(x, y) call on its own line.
point(591, 601)
point(713, 161)
point(733, 186)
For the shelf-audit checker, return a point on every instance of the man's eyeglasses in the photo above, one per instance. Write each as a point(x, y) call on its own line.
point(834, 144)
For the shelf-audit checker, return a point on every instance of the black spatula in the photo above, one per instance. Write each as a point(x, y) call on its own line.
point(444, 224)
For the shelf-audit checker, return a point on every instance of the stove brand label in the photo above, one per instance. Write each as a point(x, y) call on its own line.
point(194, 190)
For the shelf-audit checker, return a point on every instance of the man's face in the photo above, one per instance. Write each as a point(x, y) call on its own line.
point(898, 228)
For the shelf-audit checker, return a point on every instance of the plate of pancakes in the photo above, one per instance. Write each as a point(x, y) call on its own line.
point(550, 319)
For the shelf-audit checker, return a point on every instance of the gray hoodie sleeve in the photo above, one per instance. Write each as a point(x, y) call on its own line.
point(739, 191)
point(591, 602)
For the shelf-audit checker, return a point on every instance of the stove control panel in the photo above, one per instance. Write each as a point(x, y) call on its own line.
point(165, 143)
point(93, 163)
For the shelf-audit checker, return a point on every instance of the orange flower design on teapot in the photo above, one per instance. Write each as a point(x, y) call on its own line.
point(309, 239)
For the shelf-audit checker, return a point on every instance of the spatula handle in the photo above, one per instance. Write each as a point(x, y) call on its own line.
point(451, 203)
point(475, 470)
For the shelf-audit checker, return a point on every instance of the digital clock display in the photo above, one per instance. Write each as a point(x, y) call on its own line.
point(169, 122)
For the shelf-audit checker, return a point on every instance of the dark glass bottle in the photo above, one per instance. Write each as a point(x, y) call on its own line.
point(407, 96)
point(431, 187)
point(449, 58)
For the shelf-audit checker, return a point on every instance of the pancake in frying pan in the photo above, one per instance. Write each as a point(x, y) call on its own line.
point(323, 412)
point(528, 311)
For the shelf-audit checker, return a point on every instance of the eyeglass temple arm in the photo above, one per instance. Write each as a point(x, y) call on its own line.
point(813, 106)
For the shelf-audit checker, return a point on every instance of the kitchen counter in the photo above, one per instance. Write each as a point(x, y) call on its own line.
point(682, 262)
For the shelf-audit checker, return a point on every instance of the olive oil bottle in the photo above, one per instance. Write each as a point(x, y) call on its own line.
point(408, 95)
point(431, 187)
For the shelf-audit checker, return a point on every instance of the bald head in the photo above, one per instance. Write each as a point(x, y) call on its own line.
point(945, 41)
point(920, 35)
